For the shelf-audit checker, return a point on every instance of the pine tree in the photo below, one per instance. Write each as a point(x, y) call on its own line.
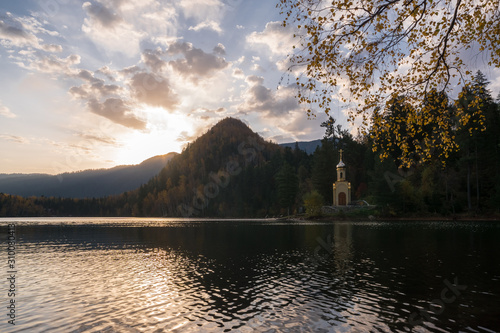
point(287, 183)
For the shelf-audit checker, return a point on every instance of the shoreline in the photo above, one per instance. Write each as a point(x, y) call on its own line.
point(291, 218)
point(371, 218)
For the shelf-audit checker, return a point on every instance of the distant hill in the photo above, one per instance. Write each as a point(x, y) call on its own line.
point(84, 184)
point(307, 146)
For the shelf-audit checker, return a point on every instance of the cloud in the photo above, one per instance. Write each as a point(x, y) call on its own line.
point(33, 25)
point(87, 76)
point(139, 87)
point(95, 90)
point(202, 10)
point(153, 90)
point(54, 65)
point(296, 126)
point(301, 127)
point(258, 68)
point(102, 139)
point(196, 62)
point(15, 33)
point(152, 59)
point(52, 48)
point(259, 98)
point(106, 72)
point(14, 138)
point(209, 25)
point(129, 70)
point(238, 73)
point(160, 22)
point(79, 92)
point(277, 38)
point(124, 26)
point(101, 15)
point(117, 105)
point(117, 111)
point(106, 89)
point(205, 113)
point(253, 79)
point(220, 49)
point(5, 112)
point(260, 94)
point(184, 136)
point(109, 30)
point(285, 65)
point(23, 31)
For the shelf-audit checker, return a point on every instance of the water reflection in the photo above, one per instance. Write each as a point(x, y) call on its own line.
point(255, 277)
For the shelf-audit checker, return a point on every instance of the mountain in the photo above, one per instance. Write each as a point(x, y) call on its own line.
point(84, 184)
point(307, 146)
point(228, 171)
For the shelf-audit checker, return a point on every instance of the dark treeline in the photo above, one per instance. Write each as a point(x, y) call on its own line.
point(231, 171)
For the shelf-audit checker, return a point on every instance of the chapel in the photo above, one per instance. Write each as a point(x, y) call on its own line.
point(341, 188)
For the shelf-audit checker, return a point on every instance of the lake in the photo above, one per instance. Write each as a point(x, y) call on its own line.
point(187, 275)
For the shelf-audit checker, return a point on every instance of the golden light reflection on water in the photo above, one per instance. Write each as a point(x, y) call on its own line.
point(94, 290)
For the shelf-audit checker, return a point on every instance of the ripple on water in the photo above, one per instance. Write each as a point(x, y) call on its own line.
point(78, 285)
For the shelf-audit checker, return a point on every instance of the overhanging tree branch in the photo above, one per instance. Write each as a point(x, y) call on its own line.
point(367, 52)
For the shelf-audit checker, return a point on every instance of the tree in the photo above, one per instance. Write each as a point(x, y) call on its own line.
point(323, 170)
point(390, 129)
point(332, 132)
point(415, 135)
point(477, 104)
point(368, 52)
point(313, 201)
point(287, 183)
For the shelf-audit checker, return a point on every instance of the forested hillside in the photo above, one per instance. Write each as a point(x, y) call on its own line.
point(230, 171)
point(84, 184)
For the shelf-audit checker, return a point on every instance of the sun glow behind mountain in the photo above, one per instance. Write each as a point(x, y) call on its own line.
point(165, 133)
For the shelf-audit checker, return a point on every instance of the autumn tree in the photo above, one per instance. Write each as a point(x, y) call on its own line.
point(313, 201)
point(367, 53)
point(415, 134)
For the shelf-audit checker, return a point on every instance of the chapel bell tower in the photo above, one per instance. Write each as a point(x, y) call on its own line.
point(341, 188)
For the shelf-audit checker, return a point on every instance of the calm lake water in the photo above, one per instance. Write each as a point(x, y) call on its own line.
point(175, 275)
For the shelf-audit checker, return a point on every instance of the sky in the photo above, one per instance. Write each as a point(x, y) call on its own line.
point(94, 84)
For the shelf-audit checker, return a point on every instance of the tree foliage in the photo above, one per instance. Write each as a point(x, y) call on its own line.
point(313, 201)
point(369, 53)
point(415, 134)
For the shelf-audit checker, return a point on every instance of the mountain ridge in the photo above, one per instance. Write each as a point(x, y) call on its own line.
point(307, 146)
point(86, 183)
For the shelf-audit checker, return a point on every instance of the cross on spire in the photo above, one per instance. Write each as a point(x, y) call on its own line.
point(341, 151)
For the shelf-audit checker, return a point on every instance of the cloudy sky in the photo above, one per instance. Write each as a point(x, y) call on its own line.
point(107, 82)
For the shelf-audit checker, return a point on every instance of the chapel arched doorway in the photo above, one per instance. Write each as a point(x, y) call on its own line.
point(342, 199)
